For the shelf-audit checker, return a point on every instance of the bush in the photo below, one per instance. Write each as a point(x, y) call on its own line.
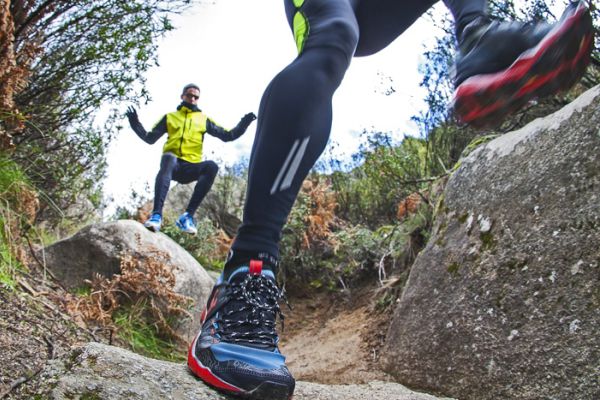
point(340, 255)
point(209, 246)
point(18, 206)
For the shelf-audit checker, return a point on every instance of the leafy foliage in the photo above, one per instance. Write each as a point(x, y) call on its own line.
point(370, 192)
point(18, 206)
point(338, 254)
point(209, 246)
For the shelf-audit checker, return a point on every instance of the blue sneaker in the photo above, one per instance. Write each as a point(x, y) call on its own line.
point(154, 222)
point(236, 350)
point(186, 223)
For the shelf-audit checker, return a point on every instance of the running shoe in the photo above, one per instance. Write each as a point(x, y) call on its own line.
point(236, 350)
point(186, 223)
point(154, 222)
point(500, 67)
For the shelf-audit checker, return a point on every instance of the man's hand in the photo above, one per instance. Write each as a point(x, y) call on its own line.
point(132, 116)
point(248, 118)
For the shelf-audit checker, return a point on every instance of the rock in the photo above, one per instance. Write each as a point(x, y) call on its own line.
point(105, 372)
point(98, 249)
point(503, 303)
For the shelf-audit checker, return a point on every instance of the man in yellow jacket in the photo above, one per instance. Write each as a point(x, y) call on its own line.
point(182, 153)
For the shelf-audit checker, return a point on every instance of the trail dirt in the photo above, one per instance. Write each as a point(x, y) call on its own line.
point(334, 339)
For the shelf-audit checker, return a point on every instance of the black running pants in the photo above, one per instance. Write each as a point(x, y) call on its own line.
point(181, 171)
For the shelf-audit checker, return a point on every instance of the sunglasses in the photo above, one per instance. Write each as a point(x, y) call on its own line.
point(192, 96)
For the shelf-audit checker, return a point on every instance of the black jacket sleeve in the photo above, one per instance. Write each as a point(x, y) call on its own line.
point(150, 137)
point(226, 135)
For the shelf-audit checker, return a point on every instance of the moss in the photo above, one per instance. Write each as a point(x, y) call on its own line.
point(90, 396)
point(515, 264)
point(463, 218)
point(442, 228)
point(439, 207)
point(82, 291)
point(453, 268)
point(487, 240)
point(441, 232)
point(71, 361)
point(92, 360)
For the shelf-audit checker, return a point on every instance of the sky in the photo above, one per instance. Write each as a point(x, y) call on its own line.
point(232, 49)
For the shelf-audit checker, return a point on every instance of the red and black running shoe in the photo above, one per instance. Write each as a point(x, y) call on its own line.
point(236, 349)
point(501, 66)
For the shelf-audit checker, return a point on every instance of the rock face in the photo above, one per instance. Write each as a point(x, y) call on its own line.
point(98, 249)
point(504, 302)
point(103, 372)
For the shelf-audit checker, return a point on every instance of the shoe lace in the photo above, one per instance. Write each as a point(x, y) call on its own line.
point(252, 312)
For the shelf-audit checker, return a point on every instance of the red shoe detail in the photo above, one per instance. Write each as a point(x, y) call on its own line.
point(255, 267)
point(206, 375)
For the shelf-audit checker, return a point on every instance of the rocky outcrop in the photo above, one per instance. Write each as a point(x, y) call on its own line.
point(99, 249)
point(504, 301)
point(105, 372)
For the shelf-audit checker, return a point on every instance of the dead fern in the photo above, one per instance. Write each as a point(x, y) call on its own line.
point(15, 62)
point(321, 211)
point(409, 205)
point(148, 281)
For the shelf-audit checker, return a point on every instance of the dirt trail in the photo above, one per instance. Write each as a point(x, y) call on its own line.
point(334, 341)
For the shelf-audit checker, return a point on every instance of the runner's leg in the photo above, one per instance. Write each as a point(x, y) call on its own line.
point(168, 164)
point(203, 173)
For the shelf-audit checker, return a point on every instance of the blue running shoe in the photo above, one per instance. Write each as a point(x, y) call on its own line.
point(186, 223)
point(154, 222)
point(236, 350)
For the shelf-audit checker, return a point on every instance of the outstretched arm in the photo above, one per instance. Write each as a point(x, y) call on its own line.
point(149, 137)
point(228, 135)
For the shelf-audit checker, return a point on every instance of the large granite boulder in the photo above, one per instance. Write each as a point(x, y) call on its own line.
point(103, 372)
point(100, 248)
point(504, 302)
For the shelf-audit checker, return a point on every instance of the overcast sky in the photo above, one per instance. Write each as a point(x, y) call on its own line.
point(232, 49)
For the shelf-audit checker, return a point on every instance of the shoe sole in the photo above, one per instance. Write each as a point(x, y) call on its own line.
point(266, 390)
point(555, 64)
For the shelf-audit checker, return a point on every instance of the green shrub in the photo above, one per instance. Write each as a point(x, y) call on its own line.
point(18, 207)
point(204, 246)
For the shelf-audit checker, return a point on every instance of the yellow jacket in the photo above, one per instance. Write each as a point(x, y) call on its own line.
point(185, 130)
